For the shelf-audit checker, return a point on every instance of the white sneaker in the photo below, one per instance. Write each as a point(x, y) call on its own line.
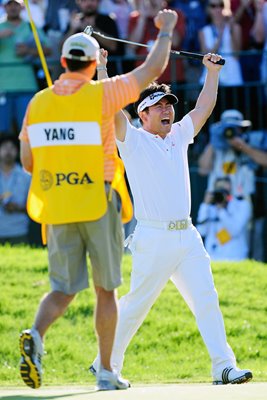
point(232, 375)
point(31, 349)
point(110, 380)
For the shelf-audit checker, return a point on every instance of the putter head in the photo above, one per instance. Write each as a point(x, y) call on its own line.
point(89, 30)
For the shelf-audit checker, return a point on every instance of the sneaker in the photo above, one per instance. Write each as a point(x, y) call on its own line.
point(108, 380)
point(233, 375)
point(31, 349)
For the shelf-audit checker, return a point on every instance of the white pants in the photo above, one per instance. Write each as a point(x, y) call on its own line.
point(160, 255)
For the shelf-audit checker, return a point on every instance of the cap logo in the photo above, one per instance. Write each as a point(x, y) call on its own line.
point(151, 99)
point(155, 95)
point(78, 44)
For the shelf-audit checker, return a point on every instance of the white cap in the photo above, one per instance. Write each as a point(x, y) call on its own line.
point(4, 2)
point(235, 117)
point(83, 42)
point(154, 98)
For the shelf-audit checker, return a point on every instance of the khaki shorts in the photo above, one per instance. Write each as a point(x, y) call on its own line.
point(68, 245)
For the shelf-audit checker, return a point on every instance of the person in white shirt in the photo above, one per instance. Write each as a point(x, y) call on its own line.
point(165, 244)
point(223, 220)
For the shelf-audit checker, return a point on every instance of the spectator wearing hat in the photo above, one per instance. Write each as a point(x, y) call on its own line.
point(14, 186)
point(228, 155)
point(223, 222)
point(17, 77)
point(219, 158)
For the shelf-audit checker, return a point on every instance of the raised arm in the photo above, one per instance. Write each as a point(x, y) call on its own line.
point(208, 95)
point(120, 117)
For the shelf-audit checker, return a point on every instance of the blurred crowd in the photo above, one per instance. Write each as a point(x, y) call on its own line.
point(231, 154)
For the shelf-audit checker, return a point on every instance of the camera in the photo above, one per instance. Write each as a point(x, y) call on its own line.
point(221, 132)
point(230, 131)
point(220, 196)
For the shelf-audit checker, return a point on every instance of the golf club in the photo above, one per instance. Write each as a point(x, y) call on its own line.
point(89, 31)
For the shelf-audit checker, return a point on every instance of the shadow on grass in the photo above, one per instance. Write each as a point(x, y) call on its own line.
point(43, 397)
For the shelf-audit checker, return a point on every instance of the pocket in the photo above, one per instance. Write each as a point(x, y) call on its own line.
point(144, 238)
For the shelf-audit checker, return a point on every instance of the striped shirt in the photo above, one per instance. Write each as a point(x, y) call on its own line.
point(118, 92)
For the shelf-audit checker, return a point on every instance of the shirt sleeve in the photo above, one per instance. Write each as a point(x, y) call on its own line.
point(119, 91)
point(186, 131)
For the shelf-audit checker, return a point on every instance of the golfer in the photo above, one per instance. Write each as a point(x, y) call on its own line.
point(165, 245)
point(68, 145)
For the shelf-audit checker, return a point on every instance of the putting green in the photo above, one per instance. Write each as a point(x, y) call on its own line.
point(249, 391)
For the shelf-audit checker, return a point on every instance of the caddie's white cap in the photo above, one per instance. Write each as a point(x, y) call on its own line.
point(4, 2)
point(80, 41)
point(235, 117)
point(154, 98)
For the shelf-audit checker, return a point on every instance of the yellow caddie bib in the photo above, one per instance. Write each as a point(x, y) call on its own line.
point(68, 159)
point(119, 184)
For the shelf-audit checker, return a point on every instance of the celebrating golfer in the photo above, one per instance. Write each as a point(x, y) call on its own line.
point(165, 245)
point(68, 145)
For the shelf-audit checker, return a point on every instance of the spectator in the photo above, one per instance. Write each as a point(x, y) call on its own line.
point(223, 222)
point(121, 9)
point(106, 24)
point(17, 48)
point(195, 17)
point(260, 35)
point(227, 155)
point(57, 19)
point(222, 35)
point(14, 186)
point(142, 30)
point(219, 158)
point(37, 8)
point(246, 13)
point(259, 157)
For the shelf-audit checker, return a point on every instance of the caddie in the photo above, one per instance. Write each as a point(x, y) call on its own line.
point(68, 145)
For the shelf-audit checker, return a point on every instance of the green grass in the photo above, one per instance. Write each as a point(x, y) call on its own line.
point(167, 348)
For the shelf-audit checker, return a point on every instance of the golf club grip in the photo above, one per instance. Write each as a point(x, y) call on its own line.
point(197, 56)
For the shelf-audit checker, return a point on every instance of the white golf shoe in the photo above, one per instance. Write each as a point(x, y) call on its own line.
point(233, 376)
point(110, 380)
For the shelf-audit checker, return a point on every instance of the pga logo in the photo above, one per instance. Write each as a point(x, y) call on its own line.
point(47, 180)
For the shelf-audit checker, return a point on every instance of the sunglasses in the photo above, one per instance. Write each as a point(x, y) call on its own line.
point(219, 5)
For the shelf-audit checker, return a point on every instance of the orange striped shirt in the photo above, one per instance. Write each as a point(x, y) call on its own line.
point(119, 91)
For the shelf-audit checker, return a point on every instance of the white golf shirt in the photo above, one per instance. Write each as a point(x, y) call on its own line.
point(157, 170)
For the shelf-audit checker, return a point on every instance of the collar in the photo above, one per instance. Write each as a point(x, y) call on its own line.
point(76, 76)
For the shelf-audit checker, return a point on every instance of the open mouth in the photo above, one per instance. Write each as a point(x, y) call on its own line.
point(165, 121)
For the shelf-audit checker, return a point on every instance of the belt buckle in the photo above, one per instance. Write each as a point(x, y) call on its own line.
point(182, 224)
point(172, 226)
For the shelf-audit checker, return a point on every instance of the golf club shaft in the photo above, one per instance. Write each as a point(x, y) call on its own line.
point(186, 54)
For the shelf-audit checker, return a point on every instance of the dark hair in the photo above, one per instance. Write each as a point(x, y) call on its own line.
point(9, 138)
point(77, 65)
